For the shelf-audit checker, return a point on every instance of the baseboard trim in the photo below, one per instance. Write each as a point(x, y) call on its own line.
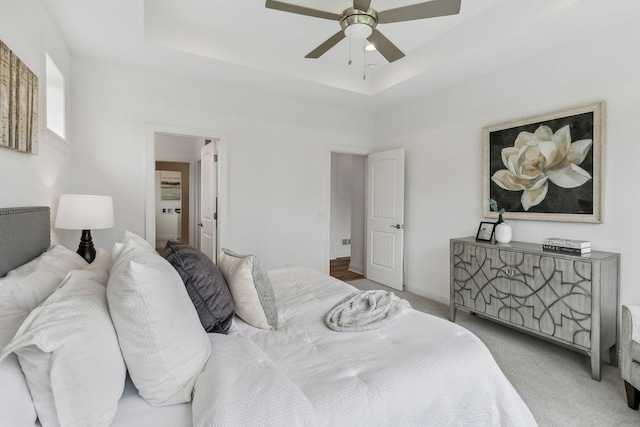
point(419, 290)
point(356, 268)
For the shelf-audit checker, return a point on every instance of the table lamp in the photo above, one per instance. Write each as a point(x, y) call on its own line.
point(85, 212)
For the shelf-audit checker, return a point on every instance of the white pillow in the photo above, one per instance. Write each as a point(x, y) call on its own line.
point(28, 285)
point(16, 405)
point(21, 290)
point(128, 235)
point(57, 259)
point(68, 350)
point(162, 340)
point(250, 287)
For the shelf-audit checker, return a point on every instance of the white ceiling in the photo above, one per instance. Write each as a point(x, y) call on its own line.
point(242, 42)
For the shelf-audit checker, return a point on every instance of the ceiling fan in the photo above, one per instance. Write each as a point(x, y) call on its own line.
point(360, 22)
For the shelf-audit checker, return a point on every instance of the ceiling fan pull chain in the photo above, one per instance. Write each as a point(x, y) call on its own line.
point(364, 60)
point(350, 44)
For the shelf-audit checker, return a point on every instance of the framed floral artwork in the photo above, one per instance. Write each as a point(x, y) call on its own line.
point(548, 167)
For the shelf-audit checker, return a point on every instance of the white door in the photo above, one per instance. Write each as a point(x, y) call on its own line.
point(385, 217)
point(208, 197)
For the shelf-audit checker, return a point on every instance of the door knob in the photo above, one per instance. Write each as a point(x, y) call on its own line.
point(398, 226)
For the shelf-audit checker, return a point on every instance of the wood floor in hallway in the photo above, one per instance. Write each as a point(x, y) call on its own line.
point(339, 268)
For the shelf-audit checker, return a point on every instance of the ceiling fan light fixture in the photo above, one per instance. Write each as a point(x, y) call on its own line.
point(358, 31)
point(357, 24)
point(370, 47)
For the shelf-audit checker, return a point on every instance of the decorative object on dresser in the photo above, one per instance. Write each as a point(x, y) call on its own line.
point(85, 212)
point(502, 230)
point(568, 300)
point(568, 243)
point(565, 250)
point(566, 246)
point(548, 167)
point(485, 231)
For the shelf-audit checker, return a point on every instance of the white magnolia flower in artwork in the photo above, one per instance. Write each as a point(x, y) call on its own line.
point(539, 157)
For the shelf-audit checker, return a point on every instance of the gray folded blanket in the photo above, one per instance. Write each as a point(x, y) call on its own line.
point(365, 310)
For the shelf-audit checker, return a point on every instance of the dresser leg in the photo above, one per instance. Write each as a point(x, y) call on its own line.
point(595, 366)
point(633, 396)
point(613, 356)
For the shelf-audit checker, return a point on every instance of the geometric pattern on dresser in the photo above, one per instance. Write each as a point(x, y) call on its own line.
point(545, 294)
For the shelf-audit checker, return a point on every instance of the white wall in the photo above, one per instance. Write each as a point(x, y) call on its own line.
point(442, 138)
point(25, 27)
point(174, 148)
point(277, 168)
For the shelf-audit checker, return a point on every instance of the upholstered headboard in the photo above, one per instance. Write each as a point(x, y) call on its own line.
point(25, 233)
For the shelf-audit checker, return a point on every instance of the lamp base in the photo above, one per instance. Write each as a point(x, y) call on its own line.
point(86, 249)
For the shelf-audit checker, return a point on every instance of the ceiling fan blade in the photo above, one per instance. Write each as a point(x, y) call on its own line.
point(385, 47)
point(300, 10)
point(430, 9)
point(362, 4)
point(324, 47)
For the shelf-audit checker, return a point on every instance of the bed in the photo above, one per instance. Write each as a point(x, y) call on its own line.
point(292, 370)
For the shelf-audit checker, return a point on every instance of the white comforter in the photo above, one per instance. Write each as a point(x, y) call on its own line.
point(418, 370)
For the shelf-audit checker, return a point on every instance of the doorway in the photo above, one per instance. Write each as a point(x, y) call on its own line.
point(383, 216)
point(173, 144)
point(347, 217)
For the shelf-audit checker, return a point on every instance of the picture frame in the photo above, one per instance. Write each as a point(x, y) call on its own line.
point(485, 231)
point(548, 167)
point(170, 185)
point(19, 97)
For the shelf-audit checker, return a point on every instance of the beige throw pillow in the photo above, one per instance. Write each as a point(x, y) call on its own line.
point(251, 289)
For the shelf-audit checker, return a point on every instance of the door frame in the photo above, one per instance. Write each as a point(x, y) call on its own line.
point(327, 211)
point(151, 129)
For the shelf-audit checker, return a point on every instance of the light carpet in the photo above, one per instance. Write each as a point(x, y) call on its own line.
point(554, 382)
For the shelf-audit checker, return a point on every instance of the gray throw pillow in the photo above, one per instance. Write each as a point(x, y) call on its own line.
point(205, 285)
point(251, 288)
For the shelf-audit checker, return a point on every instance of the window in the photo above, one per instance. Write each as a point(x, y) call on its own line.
point(55, 99)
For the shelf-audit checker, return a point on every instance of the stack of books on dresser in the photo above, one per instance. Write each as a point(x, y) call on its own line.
point(566, 246)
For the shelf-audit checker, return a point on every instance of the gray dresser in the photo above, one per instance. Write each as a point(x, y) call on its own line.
point(567, 299)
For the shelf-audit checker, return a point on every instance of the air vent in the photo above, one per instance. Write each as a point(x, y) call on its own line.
point(346, 242)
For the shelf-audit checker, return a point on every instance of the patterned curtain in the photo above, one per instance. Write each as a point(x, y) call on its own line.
point(18, 103)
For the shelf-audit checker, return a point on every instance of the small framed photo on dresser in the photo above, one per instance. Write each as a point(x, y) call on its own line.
point(485, 231)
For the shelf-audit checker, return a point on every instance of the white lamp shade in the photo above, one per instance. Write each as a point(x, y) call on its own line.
point(84, 212)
